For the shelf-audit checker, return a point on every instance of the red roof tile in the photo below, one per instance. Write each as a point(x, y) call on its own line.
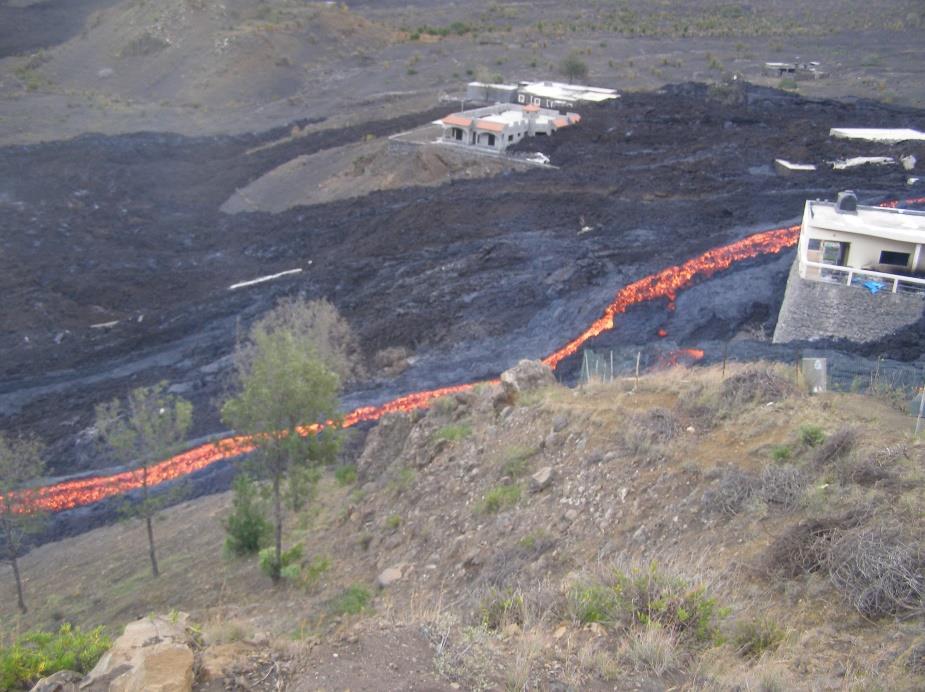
point(458, 120)
point(490, 125)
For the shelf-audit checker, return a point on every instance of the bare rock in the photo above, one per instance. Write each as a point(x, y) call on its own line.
point(384, 443)
point(559, 423)
point(541, 480)
point(62, 681)
point(526, 376)
point(389, 576)
point(152, 655)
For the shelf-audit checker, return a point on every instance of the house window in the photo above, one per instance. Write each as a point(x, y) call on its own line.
point(814, 244)
point(457, 134)
point(510, 138)
point(897, 259)
point(521, 98)
point(536, 100)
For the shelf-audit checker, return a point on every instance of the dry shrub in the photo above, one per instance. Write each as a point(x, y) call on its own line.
point(915, 658)
point(649, 431)
point(758, 384)
point(731, 492)
point(879, 569)
point(874, 468)
point(782, 485)
point(661, 424)
point(837, 446)
point(651, 649)
point(804, 547)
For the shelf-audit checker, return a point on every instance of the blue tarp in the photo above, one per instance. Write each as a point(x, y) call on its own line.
point(873, 286)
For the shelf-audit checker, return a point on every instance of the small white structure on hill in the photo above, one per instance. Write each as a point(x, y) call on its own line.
point(844, 242)
point(546, 94)
point(878, 134)
point(502, 125)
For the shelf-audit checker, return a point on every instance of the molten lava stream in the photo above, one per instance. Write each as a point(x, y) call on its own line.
point(663, 284)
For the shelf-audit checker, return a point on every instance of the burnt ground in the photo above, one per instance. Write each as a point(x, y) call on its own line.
point(30, 25)
point(469, 276)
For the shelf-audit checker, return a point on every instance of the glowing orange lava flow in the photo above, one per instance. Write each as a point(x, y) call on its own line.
point(664, 284)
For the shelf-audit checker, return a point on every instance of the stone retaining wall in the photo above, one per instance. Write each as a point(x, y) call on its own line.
point(818, 310)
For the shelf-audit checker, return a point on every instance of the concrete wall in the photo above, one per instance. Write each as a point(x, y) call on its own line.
point(818, 310)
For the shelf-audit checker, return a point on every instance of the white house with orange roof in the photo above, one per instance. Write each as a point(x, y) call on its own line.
point(502, 125)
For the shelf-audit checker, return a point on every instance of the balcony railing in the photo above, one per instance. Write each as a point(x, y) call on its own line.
point(830, 272)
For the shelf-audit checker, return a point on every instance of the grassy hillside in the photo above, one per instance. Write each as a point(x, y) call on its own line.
point(699, 530)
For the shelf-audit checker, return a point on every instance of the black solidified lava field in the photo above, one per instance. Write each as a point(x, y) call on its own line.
point(469, 276)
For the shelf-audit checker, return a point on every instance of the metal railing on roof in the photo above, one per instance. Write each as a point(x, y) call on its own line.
point(907, 283)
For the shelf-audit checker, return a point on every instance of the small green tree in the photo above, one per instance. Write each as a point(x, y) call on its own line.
point(573, 67)
point(288, 374)
point(20, 462)
point(247, 528)
point(150, 426)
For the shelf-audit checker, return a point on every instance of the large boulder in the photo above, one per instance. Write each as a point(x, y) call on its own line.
point(153, 655)
point(527, 375)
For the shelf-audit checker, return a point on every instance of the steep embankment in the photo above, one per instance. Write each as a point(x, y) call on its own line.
point(771, 540)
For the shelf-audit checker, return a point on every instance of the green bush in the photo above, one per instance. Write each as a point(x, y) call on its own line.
point(287, 559)
point(247, 528)
point(781, 453)
point(39, 654)
point(593, 603)
point(811, 435)
point(651, 596)
point(500, 497)
point(392, 522)
point(454, 432)
point(752, 638)
point(351, 601)
point(346, 474)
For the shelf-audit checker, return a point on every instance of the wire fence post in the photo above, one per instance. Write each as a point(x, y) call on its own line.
point(636, 383)
point(918, 420)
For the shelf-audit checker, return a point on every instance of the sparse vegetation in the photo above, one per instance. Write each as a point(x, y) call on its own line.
point(454, 432)
point(651, 649)
point(811, 435)
point(351, 601)
point(149, 427)
point(652, 595)
point(752, 638)
point(499, 609)
point(516, 460)
point(346, 474)
point(499, 498)
point(593, 602)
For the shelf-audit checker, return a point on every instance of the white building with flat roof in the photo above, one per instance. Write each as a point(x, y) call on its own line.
point(546, 94)
point(848, 243)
